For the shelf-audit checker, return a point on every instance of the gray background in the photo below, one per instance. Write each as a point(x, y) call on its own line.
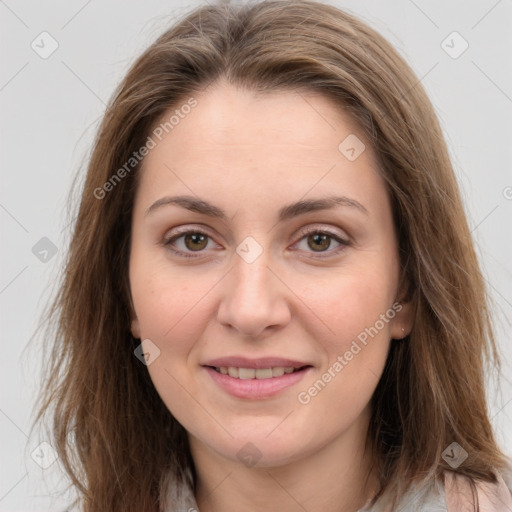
point(50, 110)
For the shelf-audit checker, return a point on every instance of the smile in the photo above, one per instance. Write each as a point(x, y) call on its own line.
point(255, 380)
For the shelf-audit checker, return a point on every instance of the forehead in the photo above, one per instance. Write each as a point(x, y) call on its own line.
point(229, 115)
point(234, 141)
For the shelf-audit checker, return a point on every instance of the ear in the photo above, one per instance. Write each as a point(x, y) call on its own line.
point(402, 323)
point(135, 325)
point(135, 328)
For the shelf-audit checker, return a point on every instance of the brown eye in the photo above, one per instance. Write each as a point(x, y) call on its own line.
point(319, 241)
point(188, 242)
point(195, 241)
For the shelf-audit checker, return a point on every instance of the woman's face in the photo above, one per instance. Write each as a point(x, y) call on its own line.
point(290, 264)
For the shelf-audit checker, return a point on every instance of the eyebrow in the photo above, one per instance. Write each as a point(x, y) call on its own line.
point(285, 213)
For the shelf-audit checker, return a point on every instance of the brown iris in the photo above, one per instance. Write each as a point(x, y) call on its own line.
point(198, 241)
point(319, 239)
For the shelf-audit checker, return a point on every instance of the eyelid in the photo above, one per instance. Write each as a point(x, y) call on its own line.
point(188, 228)
point(318, 228)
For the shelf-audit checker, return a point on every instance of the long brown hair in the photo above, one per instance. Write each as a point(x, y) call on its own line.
point(113, 433)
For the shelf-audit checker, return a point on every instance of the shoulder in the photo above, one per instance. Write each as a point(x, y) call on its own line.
point(459, 493)
point(455, 494)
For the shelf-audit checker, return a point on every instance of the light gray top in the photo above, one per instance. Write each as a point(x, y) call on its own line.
point(433, 498)
point(436, 497)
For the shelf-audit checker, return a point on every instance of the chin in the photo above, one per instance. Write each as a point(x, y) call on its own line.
point(258, 450)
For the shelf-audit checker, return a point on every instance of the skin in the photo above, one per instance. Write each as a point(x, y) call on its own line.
point(250, 155)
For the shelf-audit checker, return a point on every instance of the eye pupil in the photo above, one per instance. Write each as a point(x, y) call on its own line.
point(195, 238)
point(322, 239)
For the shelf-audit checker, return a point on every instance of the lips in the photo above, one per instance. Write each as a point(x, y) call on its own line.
point(255, 378)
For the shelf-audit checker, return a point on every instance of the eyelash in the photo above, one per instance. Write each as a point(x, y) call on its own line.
point(343, 243)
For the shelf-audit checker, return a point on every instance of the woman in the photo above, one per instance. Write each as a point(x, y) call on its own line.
point(271, 299)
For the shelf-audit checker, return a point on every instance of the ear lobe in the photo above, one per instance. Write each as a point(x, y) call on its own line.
point(401, 325)
point(135, 328)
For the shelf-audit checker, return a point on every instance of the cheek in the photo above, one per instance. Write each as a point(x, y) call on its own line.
point(359, 310)
point(167, 300)
point(170, 307)
point(351, 305)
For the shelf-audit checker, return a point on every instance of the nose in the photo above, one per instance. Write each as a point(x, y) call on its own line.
point(254, 298)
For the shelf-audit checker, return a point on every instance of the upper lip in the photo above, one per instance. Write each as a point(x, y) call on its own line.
point(263, 362)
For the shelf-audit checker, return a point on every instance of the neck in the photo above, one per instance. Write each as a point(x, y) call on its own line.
point(335, 478)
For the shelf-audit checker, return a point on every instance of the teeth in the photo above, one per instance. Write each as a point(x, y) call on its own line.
point(253, 373)
point(278, 371)
point(264, 373)
point(246, 373)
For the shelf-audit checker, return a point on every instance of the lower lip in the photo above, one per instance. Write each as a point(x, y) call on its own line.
point(256, 388)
